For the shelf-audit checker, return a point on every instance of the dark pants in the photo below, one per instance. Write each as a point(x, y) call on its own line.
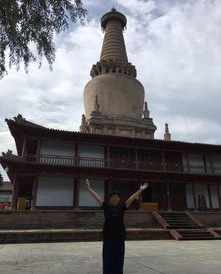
point(113, 256)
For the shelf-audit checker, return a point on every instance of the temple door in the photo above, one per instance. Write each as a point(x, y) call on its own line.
point(177, 195)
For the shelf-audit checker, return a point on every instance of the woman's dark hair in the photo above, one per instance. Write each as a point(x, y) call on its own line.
point(113, 193)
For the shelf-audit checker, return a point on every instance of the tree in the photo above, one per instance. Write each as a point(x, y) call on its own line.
point(28, 28)
point(1, 179)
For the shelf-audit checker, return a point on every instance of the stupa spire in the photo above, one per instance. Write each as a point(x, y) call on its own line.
point(114, 98)
point(113, 57)
point(114, 49)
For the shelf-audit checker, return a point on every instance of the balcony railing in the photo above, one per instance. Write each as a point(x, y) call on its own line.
point(86, 162)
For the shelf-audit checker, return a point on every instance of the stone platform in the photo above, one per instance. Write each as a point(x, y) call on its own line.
point(85, 225)
point(76, 235)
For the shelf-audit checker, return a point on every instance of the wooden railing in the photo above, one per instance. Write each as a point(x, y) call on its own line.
point(56, 160)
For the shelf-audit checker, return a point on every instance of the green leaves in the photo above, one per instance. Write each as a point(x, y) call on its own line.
point(28, 27)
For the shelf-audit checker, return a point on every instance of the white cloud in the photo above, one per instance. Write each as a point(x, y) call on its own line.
point(175, 46)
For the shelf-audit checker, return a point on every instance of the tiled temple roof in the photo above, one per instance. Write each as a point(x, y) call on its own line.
point(20, 127)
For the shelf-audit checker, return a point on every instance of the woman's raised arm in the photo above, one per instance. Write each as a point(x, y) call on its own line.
point(93, 193)
point(136, 195)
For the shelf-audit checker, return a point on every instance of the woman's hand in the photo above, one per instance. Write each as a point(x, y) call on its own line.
point(87, 182)
point(144, 186)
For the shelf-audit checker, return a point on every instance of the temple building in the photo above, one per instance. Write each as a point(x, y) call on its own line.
point(115, 148)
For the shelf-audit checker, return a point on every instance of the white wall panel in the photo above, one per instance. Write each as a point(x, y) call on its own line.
point(196, 163)
point(55, 191)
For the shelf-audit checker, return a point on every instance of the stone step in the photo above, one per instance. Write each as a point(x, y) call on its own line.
point(173, 214)
point(198, 238)
point(183, 224)
point(196, 235)
point(180, 221)
point(176, 218)
point(181, 227)
point(76, 235)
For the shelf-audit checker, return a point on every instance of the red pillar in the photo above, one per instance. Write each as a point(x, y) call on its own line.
point(34, 193)
point(15, 193)
point(169, 205)
point(76, 192)
point(163, 161)
point(194, 196)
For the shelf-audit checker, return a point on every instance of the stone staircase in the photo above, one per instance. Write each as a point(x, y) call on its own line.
point(182, 226)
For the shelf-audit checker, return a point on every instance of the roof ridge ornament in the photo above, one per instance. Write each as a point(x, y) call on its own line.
point(167, 135)
point(19, 118)
point(84, 125)
point(146, 111)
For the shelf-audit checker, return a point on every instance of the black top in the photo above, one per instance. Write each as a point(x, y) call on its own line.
point(114, 228)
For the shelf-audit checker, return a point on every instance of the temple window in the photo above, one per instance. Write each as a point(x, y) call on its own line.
point(57, 152)
point(91, 155)
point(122, 157)
point(150, 159)
point(194, 163)
point(173, 161)
point(216, 162)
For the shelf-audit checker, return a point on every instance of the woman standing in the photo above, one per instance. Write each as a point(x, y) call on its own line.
point(114, 232)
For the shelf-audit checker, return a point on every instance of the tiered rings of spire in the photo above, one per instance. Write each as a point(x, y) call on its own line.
point(113, 54)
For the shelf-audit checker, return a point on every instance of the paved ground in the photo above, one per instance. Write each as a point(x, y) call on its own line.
point(143, 257)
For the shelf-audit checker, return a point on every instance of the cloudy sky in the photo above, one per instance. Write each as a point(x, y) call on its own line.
point(176, 47)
